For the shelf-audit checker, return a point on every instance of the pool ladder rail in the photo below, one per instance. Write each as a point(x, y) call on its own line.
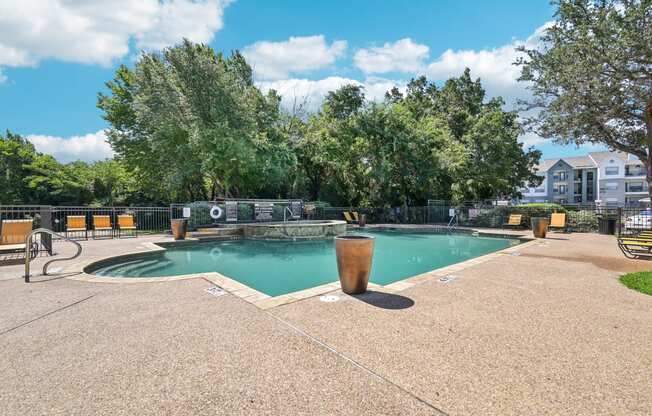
point(452, 223)
point(28, 251)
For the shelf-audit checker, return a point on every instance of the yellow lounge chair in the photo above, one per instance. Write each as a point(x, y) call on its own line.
point(348, 218)
point(633, 247)
point(13, 236)
point(558, 221)
point(102, 223)
point(126, 223)
point(515, 220)
point(355, 216)
point(76, 223)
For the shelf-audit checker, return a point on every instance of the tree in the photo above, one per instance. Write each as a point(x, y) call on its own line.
point(488, 162)
point(190, 123)
point(591, 79)
point(15, 154)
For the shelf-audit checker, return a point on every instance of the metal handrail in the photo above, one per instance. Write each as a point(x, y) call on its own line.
point(28, 252)
point(452, 223)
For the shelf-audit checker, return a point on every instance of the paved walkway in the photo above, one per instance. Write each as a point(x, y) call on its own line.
point(547, 332)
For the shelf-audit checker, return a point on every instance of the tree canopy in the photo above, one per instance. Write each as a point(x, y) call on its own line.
point(29, 177)
point(591, 79)
point(189, 124)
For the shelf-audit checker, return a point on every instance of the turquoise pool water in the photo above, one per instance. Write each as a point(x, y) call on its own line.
point(280, 267)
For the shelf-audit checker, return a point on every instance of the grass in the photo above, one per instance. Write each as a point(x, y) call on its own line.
point(640, 281)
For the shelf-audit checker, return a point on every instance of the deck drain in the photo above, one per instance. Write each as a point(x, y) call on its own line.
point(215, 291)
point(329, 298)
point(447, 279)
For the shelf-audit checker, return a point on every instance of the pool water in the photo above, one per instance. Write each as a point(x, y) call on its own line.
point(280, 267)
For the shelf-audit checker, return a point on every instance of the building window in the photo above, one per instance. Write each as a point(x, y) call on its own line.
point(578, 199)
point(634, 170)
point(634, 187)
point(560, 189)
point(611, 186)
point(611, 170)
point(560, 175)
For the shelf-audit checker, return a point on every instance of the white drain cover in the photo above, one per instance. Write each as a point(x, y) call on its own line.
point(329, 298)
point(215, 291)
point(447, 279)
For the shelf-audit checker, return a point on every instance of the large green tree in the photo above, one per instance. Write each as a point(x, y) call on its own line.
point(591, 77)
point(191, 125)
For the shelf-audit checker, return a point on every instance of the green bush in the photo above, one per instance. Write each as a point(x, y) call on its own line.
point(582, 221)
point(497, 216)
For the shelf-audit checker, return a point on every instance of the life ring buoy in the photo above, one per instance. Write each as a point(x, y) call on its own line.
point(216, 212)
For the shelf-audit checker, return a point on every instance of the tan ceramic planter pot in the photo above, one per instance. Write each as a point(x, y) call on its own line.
point(354, 255)
point(539, 226)
point(179, 228)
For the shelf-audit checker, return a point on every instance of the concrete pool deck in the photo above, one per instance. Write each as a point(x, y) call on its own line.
point(547, 331)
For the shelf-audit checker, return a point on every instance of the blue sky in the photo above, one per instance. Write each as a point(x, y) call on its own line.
point(49, 77)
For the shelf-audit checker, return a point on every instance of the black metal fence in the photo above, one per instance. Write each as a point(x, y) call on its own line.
point(578, 218)
point(147, 219)
point(231, 211)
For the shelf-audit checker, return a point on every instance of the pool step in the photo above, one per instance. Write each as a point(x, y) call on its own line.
point(217, 232)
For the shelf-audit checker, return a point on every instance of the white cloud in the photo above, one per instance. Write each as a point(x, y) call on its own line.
point(401, 56)
point(89, 148)
point(494, 66)
point(531, 139)
point(310, 93)
point(98, 32)
point(276, 60)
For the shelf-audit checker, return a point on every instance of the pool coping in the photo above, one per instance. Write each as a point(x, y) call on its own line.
point(264, 301)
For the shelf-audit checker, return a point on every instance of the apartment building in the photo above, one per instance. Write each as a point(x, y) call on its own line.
point(609, 178)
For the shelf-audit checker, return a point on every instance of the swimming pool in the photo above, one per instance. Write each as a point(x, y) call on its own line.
point(279, 267)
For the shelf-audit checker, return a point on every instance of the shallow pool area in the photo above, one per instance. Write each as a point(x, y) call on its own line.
point(280, 267)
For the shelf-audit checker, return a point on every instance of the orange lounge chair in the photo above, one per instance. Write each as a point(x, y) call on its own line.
point(515, 220)
point(76, 223)
point(126, 223)
point(102, 223)
point(558, 220)
point(349, 218)
point(13, 236)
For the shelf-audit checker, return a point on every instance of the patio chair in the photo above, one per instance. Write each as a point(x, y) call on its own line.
point(126, 223)
point(348, 217)
point(355, 216)
point(76, 224)
point(13, 236)
point(102, 223)
point(515, 220)
point(558, 221)
point(635, 247)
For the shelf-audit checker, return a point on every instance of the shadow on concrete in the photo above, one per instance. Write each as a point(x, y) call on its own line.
point(42, 278)
point(385, 300)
